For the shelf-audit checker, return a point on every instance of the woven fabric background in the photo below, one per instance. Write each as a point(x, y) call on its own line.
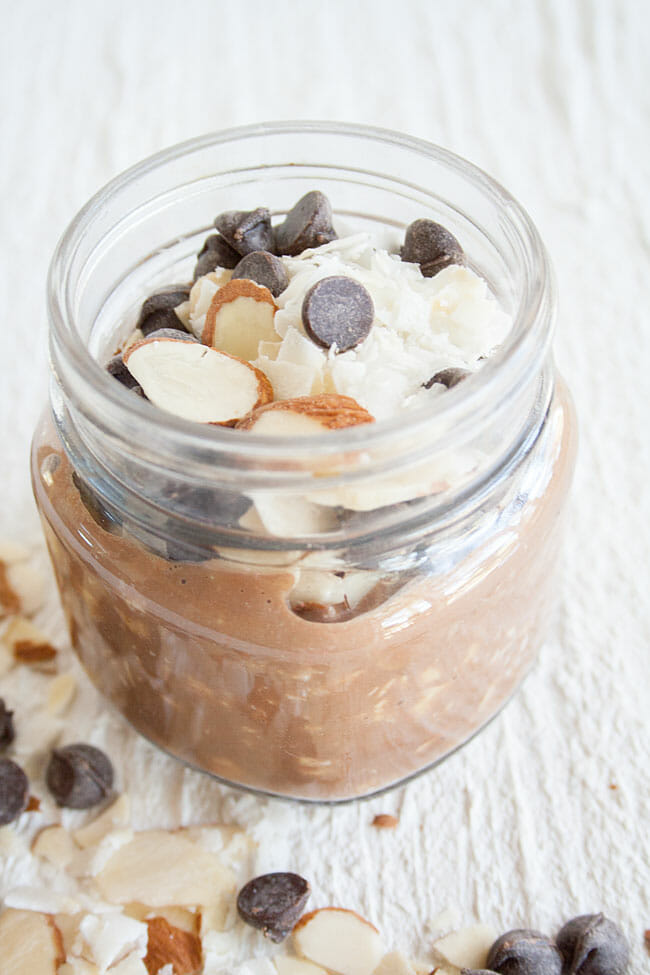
point(552, 98)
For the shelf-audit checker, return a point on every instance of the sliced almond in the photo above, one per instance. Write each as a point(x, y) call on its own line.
point(117, 816)
point(61, 693)
point(196, 382)
point(288, 965)
point(170, 945)
point(395, 963)
point(29, 942)
point(29, 584)
point(159, 868)
point(240, 316)
point(202, 293)
point(11, 552)
point(306, 415)
point(9, 598)
point(79, 966)
point(339, 940)
point(28, 644)
point(55, 845)
point(468, 947)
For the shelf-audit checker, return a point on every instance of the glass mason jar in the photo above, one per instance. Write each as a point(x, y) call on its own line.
point(348, 652)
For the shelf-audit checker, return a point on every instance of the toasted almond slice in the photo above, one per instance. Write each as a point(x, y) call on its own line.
point(339, 940)
point(29, 942)
point(28, 644)
point(170, 945)
point(55, 845)
point(160, 868)
point(9, 598)
point(196, 382)
point(61, 693)
point(29, 584)
point(468, 947)
point(385, 821)
point(117, 816)
point(305, 415)
point(288, 965)
point(240, 316)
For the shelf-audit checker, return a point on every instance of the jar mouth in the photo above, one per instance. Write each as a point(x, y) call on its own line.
point(173, 442)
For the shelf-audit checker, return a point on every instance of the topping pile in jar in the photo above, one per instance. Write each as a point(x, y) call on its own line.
point(291, 330)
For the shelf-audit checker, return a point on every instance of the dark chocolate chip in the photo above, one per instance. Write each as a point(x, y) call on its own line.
point(447, 377)
point(14, 791)
point(246, 230)
point(524, 952)
point(216, 244)
point(95, 508)
point(432, 246)
point(593, 945)
point(273, 903)
point(7, 733)
point(265, 269)
point(79, 776)
point(179, 334)
point(337, 310)
point(307, 224)
point(218, 254)
point(476, 971)
point(158, 309)
point(118, 371)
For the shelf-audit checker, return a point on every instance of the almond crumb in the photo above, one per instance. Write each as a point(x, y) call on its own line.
point(33, 804)
point(385, 821)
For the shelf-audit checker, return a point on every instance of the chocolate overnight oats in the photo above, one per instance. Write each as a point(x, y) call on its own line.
point(304, 507)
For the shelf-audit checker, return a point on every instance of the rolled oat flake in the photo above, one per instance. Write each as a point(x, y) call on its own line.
point(14, 791)
point(79, 776)
point(273, 902)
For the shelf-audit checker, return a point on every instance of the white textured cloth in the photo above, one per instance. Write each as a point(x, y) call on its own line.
point(523, 826)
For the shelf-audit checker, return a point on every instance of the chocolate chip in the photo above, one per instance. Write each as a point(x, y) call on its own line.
point(307, 224)
point(7, 733)
point(593, 945)
point(265, 269)
point(524, 952)
point(432, 246)
point(79, 776)
point(246, 230)
point(95, 508)
point(337, 310)
point(447, 377)
point(273, 903)
point(179, 334)
point(158, 309)
point(118, 371)
point(14, 791)
point(216, 252)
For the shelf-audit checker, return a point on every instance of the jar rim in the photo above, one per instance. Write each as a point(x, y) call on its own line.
point(516, 362)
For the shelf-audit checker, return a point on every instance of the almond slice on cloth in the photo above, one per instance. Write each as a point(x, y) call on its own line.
point(468, 947)
point(240, 316)
point(28, 644)
point(197, 382)
point(29, 942)
point(339, 940)
point(288, 965)
point(169, 945)
point(160, 868)
point(305, 415)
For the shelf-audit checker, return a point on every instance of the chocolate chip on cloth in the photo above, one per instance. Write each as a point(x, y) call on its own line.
point(216, 252)
point(308, 224)
point(432, 246)
point(246, 230)
point(337, 311)
point(591, 944)
point(14, 791)
point(447, 377)
point(79, 776)
point(273, 903)
point(265, 269)
point(158, 309)
point(7, 733)
point(524, 952)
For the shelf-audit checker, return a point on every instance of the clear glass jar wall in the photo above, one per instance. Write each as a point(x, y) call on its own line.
point(193, 620)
